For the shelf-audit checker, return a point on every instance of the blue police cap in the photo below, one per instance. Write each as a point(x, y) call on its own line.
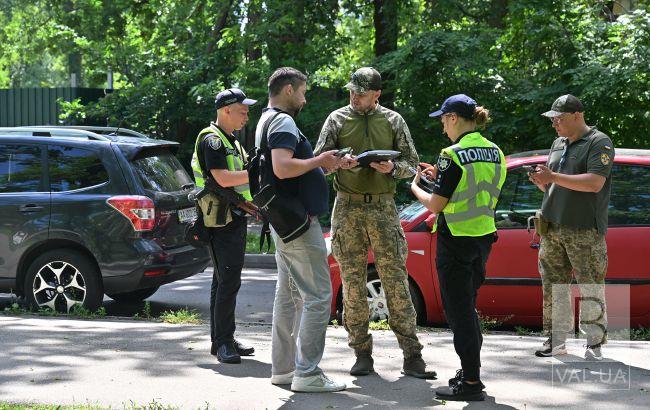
point(460, 104)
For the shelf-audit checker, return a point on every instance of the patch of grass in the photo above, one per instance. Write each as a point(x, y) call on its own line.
point(524, 331)
point(13, 406)
point(488, 323)
point(379, 325)
point(640, 334)
point(14, 308)
point(153, 405)
point(77, 311)
point(181, 316)
point(253, 244)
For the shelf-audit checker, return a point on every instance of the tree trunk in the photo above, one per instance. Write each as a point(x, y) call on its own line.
point(385, 22)
point(74, 56)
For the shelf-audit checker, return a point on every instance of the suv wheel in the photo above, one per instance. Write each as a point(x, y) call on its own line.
point(62, 279)
point(134, 296)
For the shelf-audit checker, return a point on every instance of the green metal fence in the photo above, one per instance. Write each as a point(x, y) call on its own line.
point(39, 106)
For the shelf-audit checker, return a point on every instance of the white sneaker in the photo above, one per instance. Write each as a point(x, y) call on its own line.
point(316, 384)
point(286, 378)
point(593, 353)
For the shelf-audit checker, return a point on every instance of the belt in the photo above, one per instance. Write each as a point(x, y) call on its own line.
point(365, 198)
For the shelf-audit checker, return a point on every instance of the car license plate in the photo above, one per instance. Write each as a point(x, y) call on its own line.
point(187, 215)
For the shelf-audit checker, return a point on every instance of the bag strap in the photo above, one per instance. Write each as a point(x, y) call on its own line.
point(264, 144)
point(265, 234)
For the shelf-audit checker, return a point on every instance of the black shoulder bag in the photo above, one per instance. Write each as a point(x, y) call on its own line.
point(286, 214)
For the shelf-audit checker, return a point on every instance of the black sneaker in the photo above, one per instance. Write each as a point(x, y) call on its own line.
point(459, 378)
point(593, 353)
point(460, 392)
point(548, 349)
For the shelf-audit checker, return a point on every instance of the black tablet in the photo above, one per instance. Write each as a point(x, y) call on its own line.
point(376, 156)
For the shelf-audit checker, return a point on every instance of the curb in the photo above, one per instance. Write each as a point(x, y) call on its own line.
point(260, 261)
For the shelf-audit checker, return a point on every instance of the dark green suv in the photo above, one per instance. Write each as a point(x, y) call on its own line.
point(88, 211)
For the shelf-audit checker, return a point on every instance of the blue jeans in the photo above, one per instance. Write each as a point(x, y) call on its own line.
point(301, 310)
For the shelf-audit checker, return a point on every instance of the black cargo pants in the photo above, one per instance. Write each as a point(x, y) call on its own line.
point(460, 262)
point(228, 245)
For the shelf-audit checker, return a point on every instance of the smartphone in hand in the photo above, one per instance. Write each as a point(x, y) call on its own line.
point(343, 152)
point(530, 169)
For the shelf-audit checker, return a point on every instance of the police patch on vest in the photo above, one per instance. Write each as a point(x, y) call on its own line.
point(604, 158)
point(214, 143)
point(475, 154)
point(443, 162)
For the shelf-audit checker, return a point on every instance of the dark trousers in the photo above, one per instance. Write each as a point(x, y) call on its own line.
point(460, 262)
point(228, 245)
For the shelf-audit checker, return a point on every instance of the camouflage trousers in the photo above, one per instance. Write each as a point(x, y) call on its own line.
point(356, 226)
point(565, 253)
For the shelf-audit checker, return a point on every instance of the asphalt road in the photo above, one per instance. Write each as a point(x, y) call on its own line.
point(254, 303)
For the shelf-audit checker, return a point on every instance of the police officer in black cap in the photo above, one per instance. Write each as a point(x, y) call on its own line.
point(218, 164)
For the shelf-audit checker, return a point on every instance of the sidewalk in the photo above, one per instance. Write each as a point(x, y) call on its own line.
point(118, 362)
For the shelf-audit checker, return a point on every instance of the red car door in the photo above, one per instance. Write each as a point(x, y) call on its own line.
point(512, 286)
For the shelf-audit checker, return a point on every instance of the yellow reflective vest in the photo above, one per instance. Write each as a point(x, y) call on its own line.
point(470, 210)
point(234, 160)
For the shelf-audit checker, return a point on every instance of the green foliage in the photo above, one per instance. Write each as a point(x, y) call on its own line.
point(170, 57)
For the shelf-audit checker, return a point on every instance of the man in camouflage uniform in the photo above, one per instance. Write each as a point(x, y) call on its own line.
point(576, 182)
point(365, 215)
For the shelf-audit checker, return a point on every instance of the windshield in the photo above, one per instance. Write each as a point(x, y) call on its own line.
point(161, 172)
point(411, 212)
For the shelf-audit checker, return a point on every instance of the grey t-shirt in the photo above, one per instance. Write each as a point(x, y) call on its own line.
point(310, 188)
point(593, 153)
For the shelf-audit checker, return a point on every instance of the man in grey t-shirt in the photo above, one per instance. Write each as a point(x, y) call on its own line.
point(576, 182)
point(303, 293)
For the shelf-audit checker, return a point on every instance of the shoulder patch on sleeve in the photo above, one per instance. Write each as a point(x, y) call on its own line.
point(214, 143)
point(444, 161)
point(604, 159)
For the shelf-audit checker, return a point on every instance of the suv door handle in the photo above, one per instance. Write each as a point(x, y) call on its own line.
point(30, 208)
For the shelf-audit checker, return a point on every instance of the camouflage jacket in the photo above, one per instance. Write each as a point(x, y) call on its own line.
point(377, 129)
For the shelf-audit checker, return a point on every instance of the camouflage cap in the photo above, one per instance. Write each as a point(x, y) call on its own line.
point(565, 103)
point(363, 80)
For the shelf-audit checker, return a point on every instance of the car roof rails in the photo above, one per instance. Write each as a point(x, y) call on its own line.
point(113, 131)
point(44, 131)
point(90, 132)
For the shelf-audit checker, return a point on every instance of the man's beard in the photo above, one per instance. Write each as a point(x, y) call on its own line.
point(296, 110)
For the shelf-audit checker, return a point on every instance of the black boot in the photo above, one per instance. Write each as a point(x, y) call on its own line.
point(227, 353)
point(244, 350)
point(461, 392)
point(459, 379)
point(363, 366)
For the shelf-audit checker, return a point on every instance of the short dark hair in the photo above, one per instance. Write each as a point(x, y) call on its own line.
point(283, 76)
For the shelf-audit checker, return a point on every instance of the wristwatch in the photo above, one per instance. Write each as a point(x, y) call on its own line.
point(392, 173)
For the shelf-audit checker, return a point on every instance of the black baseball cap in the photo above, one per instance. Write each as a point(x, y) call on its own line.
point(232, 96)
point(565, 103)
point(460, 104)
point(364, 80)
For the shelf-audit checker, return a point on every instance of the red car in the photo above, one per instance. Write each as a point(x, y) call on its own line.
point(512, 290)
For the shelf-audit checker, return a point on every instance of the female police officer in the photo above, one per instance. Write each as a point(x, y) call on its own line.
point(467, 181)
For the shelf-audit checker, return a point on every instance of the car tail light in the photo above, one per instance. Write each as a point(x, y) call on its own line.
point(139, 210)
point(155, 272)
